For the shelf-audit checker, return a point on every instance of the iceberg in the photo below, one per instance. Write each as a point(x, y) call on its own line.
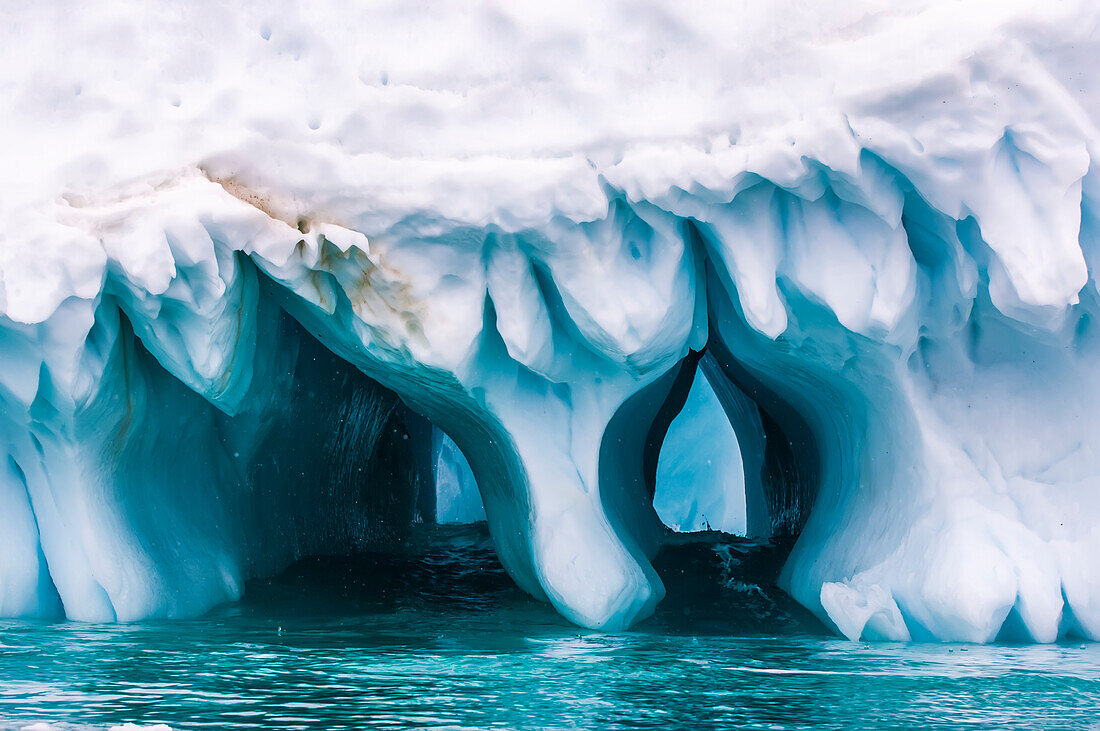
point(256, 261)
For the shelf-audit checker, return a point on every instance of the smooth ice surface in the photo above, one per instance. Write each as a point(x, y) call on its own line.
point(526, 223)
point(700, 483)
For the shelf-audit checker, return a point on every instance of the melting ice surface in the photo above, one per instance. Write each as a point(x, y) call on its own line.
point(256, 259)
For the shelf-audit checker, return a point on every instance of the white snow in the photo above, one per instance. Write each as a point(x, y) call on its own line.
point(520, 217)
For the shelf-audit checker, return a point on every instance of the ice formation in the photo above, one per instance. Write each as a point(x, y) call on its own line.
point(252, 254)
point(700, 484)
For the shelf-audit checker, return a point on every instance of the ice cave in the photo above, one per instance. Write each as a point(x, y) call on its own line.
point(278, 284)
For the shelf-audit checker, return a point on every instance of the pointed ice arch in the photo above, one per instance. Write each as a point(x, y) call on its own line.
point(700, 481)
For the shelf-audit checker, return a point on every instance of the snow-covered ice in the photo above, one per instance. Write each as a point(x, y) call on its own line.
point(242, 243)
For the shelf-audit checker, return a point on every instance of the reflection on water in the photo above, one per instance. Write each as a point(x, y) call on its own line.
point(441, 638)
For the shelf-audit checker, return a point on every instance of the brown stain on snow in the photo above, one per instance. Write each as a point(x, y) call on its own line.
point(375, 290)
point(261, 201)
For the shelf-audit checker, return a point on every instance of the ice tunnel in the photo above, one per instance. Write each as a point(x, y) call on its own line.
point(323, 289)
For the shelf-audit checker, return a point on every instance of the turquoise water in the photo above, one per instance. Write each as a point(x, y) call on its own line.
point(439, 637)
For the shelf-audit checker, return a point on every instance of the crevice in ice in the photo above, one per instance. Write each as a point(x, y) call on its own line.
point(27, 588)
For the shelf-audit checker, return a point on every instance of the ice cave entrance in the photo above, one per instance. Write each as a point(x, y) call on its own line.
point(457, 499)
point(700, 482)
point(700, 478)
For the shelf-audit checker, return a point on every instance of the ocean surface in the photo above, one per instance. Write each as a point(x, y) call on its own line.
point(437, 636)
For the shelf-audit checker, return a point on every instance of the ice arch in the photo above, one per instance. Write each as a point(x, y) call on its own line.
point(700, 481)
point(148, 500)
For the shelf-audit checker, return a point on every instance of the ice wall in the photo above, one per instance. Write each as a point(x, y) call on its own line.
point(871, 227)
